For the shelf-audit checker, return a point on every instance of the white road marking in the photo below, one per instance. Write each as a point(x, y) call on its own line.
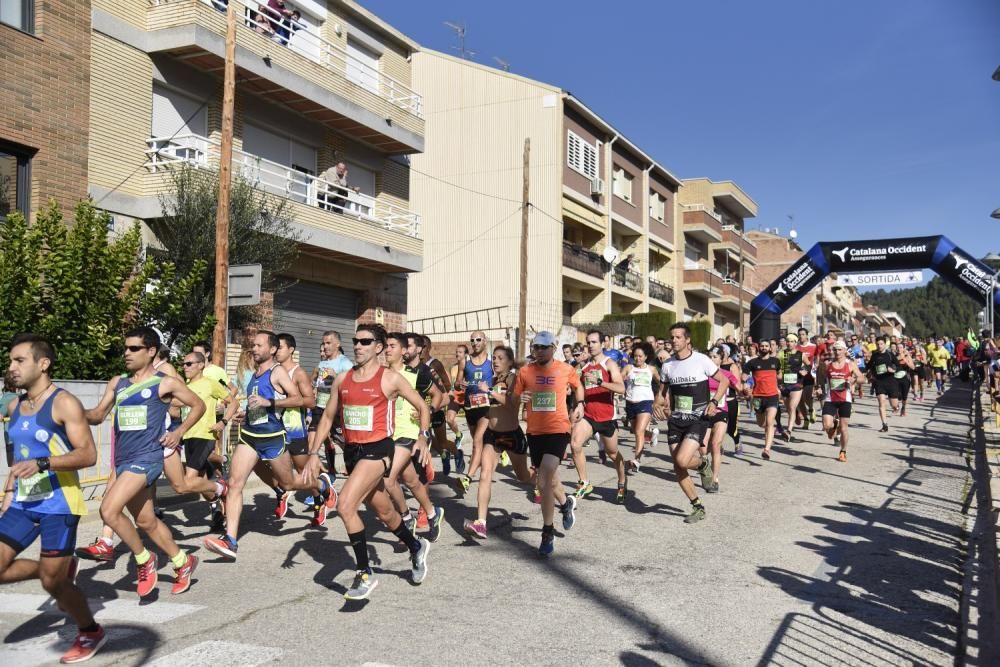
point(46, 649)
point(105, 610)
point(218, 652)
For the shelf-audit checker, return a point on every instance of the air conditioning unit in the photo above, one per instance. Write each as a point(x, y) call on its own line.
point(596, 186)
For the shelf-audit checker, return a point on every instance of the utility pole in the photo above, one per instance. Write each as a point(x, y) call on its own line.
point(522, 303)
point(742, 239)
point(221, 310)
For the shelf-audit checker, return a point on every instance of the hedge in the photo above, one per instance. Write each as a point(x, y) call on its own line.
point(658, 324)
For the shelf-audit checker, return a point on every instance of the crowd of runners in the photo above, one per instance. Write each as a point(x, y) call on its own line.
point(392, 411)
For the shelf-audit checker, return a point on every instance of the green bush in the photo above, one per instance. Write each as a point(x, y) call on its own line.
point(701, 334)
point(646, 324)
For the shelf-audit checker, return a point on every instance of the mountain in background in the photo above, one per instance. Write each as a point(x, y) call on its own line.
point(934, 308)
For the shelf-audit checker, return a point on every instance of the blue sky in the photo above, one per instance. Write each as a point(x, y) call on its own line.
point(861, 119)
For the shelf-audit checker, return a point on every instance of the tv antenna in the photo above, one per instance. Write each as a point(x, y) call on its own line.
point(459, 29)
point(504, 65)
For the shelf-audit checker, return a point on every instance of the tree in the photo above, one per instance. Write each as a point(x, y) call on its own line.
point(935, 308)
point(82, 289)
point(260, 232)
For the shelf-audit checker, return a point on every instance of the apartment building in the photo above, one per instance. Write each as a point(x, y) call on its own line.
point(720, 260)
point(44, 66)
point(330, 84)
point(603, 229)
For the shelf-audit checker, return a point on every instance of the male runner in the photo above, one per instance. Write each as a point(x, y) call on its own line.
point(51, 441)
point(836, 379)
point(139, 401)
point(883, 365)
point(685, 402)
point(217, 374)
point(439, 419)
point(455, 405)
point(262, 437)
point(601, 378)
point(332, 363)
point(764, 370)
point(856, 352)
point(478, 368)
point(542, 386)
point(938, 357)
point(364, 398)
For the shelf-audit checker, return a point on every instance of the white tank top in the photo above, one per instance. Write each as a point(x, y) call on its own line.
point(639, 384)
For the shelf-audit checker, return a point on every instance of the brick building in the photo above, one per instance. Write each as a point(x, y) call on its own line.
point(44, 119)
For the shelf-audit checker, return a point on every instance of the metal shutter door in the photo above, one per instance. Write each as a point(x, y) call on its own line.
point(306, 310)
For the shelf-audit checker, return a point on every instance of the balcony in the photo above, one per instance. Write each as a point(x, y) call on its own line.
point(732, 235)
point(704, 283)
point(317, 203)
point(661, 292)
point(702, 224)
point(291, 64)
point(627, 279)
point(583, 260)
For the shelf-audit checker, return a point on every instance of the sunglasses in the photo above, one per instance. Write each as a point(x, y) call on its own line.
point(578, 354)
point(190, 363)
point(540, 347)
point(136, 348)
point(475, 340)
point(363, 341)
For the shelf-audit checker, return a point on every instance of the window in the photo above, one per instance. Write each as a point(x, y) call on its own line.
point(15, 180)
point(19, 14)
point(622, 184)
point(657, 205)
point(581, 156)
point(362, 66)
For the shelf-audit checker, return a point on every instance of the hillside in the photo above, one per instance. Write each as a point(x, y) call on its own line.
point(934, 308)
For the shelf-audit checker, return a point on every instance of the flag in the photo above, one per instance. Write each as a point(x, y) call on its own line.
point(973, 341)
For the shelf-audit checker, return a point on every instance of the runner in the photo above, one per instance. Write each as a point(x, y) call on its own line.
point(904, 366)
point(729, 363)
point(687, 405)
point(478, 368)
point(836, 379)
point(138, 400)
point(442, 445)
point(332, 363)
point(217, 374)
point(51, 442)
point(763, 370)
point(811, 353)
point(641, 382)
point(601, 379)
point(455, 405)
point(856, 353)
point(503, 434)
point(402, 351)
point(541, 386)
point(938, 357)
point(719, 423)
point(262, 437)
point(794, 367)
point(883, 365)
point(919, 372)
point(364, 398)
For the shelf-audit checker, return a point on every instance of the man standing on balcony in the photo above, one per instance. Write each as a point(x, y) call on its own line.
point(337, 188)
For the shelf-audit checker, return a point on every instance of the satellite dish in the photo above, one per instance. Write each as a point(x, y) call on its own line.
point(793, 234)
point(610, 254)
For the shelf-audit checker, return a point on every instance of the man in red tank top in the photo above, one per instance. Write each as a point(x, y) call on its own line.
point(365, 397)
point(835, 380)
point(602, 379)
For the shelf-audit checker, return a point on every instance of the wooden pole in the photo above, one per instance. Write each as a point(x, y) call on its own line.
point(221, 310)
point(522, 302)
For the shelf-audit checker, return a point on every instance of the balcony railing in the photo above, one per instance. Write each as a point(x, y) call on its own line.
point(658, 290)
point(283, 181)
point(582, 260)
point(630, 280)
point(305, 40)
point(732, 234)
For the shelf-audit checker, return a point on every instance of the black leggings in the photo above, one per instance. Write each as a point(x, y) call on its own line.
point(733, 419)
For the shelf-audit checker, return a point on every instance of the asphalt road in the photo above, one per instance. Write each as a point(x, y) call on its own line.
point(802, 560)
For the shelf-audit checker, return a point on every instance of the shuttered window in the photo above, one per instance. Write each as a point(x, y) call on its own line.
point(581, 156)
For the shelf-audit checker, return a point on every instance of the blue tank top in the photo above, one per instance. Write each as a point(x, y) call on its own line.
point(474, 374)
point(262, 422)
point(140, 420)
point(35, 436)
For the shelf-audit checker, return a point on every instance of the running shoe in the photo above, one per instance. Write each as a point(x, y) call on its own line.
point(843, 456)
point(603, 457)
point(99, 551)
point(713, 487)
point(364, 583)
point(410, 522)
point(222, 545)
point(739, 450)
point(319, 515)
point(282, 508)
point(696, 515)
point(445, 463)
point(884, 429)
point(434, 525)
point(429, 470)
point(766, 455)
point(632, 466)
point(464, 482)
point(655, 439)
point(584, 489)
point(85, 646)
point(147, 576)
point(331, 493)
point(621, 495)
point(182, 575)
point(475, 528)
point(459, 459)
point(421, 520)
point(568, 511)
point(547, 546)
point(836, 440)
point(537, 498)
point(705, 471)
point(418, 561)
point(504, 459)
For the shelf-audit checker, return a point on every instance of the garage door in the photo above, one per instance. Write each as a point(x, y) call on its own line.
point(307, 309)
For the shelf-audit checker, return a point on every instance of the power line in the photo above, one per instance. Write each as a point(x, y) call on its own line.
point(473, 239)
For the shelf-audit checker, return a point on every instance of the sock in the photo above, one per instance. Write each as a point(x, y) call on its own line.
point(213, 505)
point(360, 546)
point(407, 516)
point(93, 627)
point(407, 538)
point(142, 558)
point(696, 502)
point(179, 560)
point(432, 514)
point(107, 541)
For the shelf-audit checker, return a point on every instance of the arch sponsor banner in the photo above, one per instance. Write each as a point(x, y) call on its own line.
point(881, 279)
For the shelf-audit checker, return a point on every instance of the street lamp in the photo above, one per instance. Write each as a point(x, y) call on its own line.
point(995, 214)
point(989, 319)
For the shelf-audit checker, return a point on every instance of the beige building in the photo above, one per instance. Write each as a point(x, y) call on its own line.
point(333, 87)
point(604, 227)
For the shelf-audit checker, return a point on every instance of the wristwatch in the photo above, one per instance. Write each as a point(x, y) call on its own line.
point(427, 434)
point(43, 463)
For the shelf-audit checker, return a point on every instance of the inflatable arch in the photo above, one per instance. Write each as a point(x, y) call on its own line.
point(929, 252)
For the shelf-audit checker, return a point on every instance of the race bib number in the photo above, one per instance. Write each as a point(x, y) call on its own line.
point(131, 417)
point(322, 398)
point(592, 379)
point(34, 488)
point(837, 384)
point(359, 417)
point(881, 369)
point(479, 401)
point(791, 378)
point(185, 411)
point(543, 401)
point(642, 379)
point(684, 404)
point(756, 404)
point(900, 375)
point(256, 416)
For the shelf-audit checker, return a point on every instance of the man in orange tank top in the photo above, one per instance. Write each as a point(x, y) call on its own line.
point(365, 397)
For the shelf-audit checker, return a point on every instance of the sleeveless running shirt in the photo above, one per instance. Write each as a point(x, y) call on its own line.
point(838, 383)
point(294, 419)
point(140, 419)
point(264, 421)
point(474, 374)
point(600, 403)
point(367, 415)
point(639, 384)
point(35, 436)
point(407, 423)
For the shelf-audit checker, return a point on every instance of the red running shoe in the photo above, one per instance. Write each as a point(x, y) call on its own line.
point(99, 551)
point(85, 647)
point(147, 577)
point(182, 575)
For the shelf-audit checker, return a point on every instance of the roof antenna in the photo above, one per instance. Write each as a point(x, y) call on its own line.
point(459, 29)
point(504, 65)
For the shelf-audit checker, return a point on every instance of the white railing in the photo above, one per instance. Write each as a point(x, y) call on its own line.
point(283, 181)
point(736, 230)
point(305, 40)
point(702, 207)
